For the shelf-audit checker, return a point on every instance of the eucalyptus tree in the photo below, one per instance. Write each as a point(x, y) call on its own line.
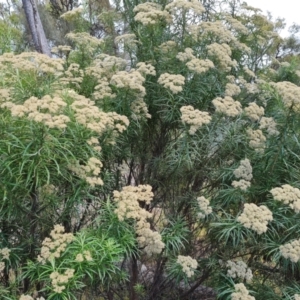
point(36, 27)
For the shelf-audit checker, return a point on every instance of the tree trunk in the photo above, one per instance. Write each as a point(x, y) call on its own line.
point(36, 27)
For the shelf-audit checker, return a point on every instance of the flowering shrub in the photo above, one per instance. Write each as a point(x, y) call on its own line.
point(159, 162)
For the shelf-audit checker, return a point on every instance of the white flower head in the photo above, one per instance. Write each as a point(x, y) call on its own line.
point(239, 270)
point(188, 264)
point(255, 217)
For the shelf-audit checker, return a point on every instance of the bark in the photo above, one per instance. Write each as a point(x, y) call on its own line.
point(36, 27)
point(133, 279)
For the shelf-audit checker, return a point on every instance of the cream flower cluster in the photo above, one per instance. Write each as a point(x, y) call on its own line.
point(104, 66)
point(128, 202)
point(296, 297)
point(216, 29)
point(73, 75)
point(32, 61)
point(109, 62)
point(241, 46)
point(222, 53)
point(131, 80)
point(199, 65)
point(94, 142)
point(103, 90)
point(291, 250)
point(53, 247)
point(249, 72)
point(4, 252)
point(59, 281)
point(239, 270)
point(227, 106)
point(5, 95)
point(257, 140)
point(290, 94)
point(172, 82)
point(255, 217)
point(241, 293)
point(61, 50)
point(251, 88)
point(204, 207)
point(128, 207)
point(186, 6)
point(53, 105)
point(245, 6)
point(232, 89)
point(27, 297)
point(145, 69)
point(90, 116)
point(254, 112)
point(139, 109)
point(2, 266)
point(150, 13)
point(128, 39)
point(72, 15)
point(85, 40)
point(45, 110)
point(188, 264)
point(269, 125)
point(194, 117)
point(149, 240)
point(285, 64)
point(167, 47)
point(89, 172)
point(48, 189)
point(241, 184)
point(288, 195)
point(85, 256)
point(244, 171)
point(231, 78)
point(235, 24)
point(194, 64)
point(185, 56)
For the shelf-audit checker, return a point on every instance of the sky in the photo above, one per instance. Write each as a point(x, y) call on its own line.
point(288, 9)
